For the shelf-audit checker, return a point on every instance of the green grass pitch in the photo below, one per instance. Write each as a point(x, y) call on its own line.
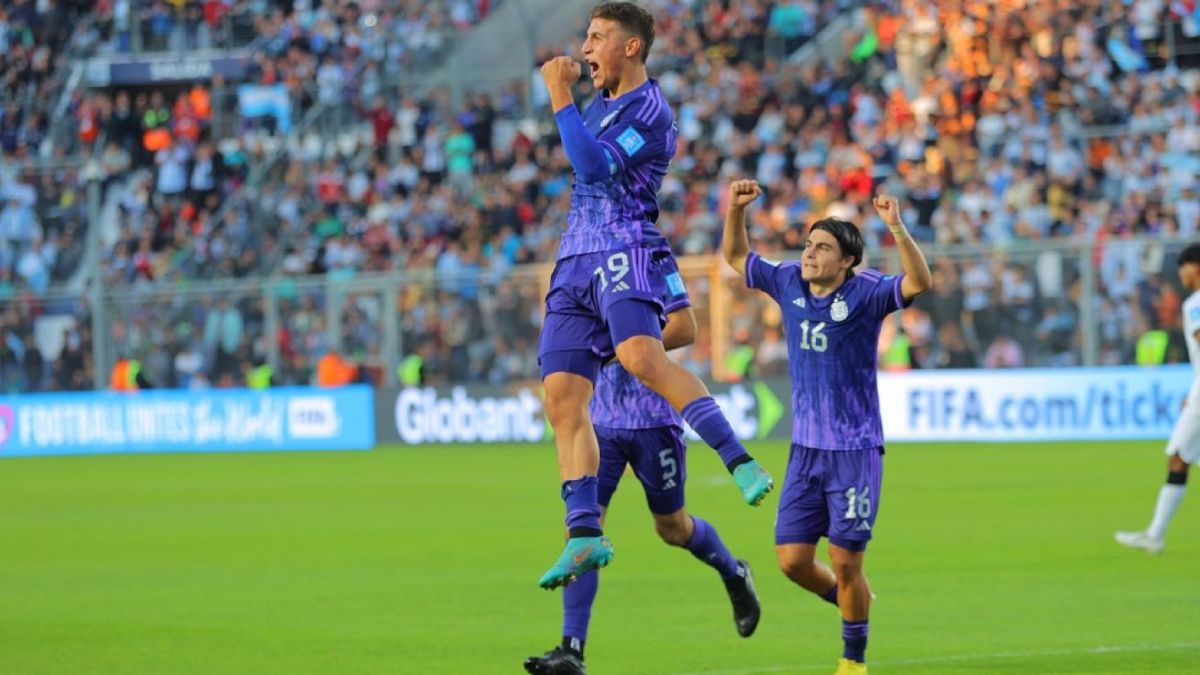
point(987, 559)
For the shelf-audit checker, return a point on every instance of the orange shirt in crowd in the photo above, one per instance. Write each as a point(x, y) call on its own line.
point(201, 102)
point(334, 371)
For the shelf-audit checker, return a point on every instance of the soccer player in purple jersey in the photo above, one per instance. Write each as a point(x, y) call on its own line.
point(832, 317)
point(606, 289)
point(637, 427)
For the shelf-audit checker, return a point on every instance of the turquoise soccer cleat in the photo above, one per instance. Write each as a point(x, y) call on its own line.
point(753, 481)
point(582, 554)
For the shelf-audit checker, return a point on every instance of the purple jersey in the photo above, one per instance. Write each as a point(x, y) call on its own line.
point(637, 132)
point(832, 352)
point(620, 400)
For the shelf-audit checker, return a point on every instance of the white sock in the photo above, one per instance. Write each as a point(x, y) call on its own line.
point(1168, 500)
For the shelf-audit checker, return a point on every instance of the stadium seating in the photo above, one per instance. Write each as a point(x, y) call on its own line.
point(1004, 127)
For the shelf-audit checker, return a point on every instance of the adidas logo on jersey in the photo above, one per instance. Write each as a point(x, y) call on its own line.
point(620, 286)
point(610, 117)
point(670, 484)
point(864, 525)
point(799, 302)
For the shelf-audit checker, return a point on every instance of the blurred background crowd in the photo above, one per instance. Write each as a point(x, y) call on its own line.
point(1046, 151)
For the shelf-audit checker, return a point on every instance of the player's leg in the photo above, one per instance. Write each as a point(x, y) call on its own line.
point(579, 595)
point(567, 397)
point(635, 320)
point(1170, 495)
point(798, 562)
point(569, 367)
point(659, 458)
point(854, 600)
point(566, 658)
point(801, 521)
point(645, 358)
point(852, 483)
point(1183, 450)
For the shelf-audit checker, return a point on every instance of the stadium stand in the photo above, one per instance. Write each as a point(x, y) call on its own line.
point(1011, 131)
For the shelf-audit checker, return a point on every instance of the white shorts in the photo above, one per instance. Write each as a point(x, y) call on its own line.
point(1185, 438)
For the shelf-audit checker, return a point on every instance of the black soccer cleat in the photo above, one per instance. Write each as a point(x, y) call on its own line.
point(557, 661)
point(746, 610)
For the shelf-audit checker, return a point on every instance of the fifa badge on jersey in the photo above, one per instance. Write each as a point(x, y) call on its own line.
point(839, 310)
point(630, 141)
point(675, 284)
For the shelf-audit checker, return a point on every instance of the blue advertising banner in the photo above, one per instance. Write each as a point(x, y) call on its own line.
point(215, 420)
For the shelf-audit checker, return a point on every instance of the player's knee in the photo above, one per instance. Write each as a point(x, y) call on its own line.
point(642, 360)
point(672, 531)
point(796, 568)
point(565, 412)
point(847, 572)
point(1176, 465)
point(792, 569)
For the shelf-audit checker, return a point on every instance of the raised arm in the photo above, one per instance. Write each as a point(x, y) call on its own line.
point(735, 243)
point(917, 277)
point(586, 154)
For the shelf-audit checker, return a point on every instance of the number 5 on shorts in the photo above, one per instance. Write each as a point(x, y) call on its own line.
point(666, 457)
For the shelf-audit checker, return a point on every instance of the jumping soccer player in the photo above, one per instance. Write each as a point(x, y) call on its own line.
point(637, 427)
point(832, 317)
point(1183, 448)
point(606, 289)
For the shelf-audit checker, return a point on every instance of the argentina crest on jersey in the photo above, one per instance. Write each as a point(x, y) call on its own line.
point(839, 310)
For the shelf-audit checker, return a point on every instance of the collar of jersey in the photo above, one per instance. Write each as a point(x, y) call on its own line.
point(627, 95)
point(824, 301)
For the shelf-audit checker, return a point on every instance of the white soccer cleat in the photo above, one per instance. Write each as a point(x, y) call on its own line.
point(1139, 540)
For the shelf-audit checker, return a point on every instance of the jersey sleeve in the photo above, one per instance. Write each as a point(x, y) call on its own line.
point(766, 275)
point(675, 297)
point(883, 293)
point(642, 133)
point(588, 157)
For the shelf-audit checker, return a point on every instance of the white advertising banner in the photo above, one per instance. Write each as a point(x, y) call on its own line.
point(1033, 404)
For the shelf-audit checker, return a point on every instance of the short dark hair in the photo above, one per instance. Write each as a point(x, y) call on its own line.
point(848, 237)
point(1191, 254)
point(632, 19)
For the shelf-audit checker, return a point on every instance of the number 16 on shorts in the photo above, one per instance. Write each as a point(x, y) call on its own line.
point(858, 507)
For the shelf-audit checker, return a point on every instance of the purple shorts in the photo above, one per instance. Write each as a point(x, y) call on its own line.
point(830, 493)
point(582, 328)
point(659, 460)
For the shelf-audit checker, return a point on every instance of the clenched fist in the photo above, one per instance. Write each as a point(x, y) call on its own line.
point(561, 70)
point(742, 192)
point(888, 208)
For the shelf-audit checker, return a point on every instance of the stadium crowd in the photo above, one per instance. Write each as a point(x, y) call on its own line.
point(1008, 124)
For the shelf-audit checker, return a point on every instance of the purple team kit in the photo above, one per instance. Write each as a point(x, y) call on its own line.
point(837, 437)
point(611, 251)
point(637, 427)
